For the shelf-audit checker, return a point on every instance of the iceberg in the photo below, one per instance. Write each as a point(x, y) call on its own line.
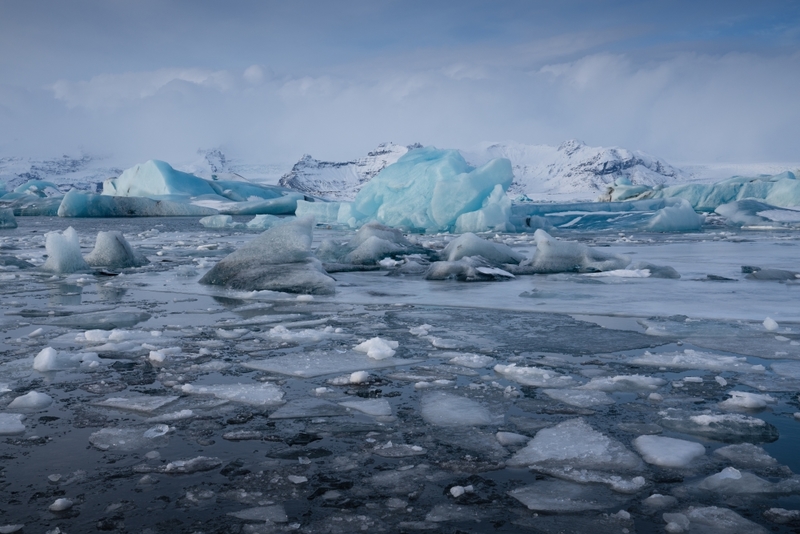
point(112, 250)
point(64, 252)
point(427, 190)
point(371, 243)
point(81, 204)
point(157, 180)
point(782, 190)
point(751, 212)
point(554, 256)
point(469, 244)
point(280, 259)
point(220, 221)
point(7, 219)
point(679, 217)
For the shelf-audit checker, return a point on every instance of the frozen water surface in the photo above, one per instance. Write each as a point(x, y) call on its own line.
point(563, 402)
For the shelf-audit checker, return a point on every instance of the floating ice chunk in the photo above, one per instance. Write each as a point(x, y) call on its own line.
point(377, 348)
point(10, 529)
point(770, 324)
point(576, 444)
point(358, 377)
point(82, 204)
point(452, 512)
point(33, 401)
point(280, 259)
point(372, 243)
point(657, 271)
point(473, 361)
point(554, 256)
point(668, 452)
point(744, 400)
point(747, 455)
point(374, 407)
point(787, 369)
point(629, 383)
point(751, 212)
point(172, 416)
point(63, 252)
point(657, 501)
point(48, 359)
point(445, 409)
point(220, 221)
point(271, 514)
point(621, 273)
point(7, 219)
point(113, 251)
point(309, 335)
point(782, 516)
point(427, 190)
point(534, 376)
point(680, 217)
point(263, 394)
point(511, 438)
point(714, 520)
point(561, 496)
point(401, 450)
point(617, 483)
point(691, 359)
point(310, 364)
point(728, 428)
point(144, 404)
point(307, 408)
point(469, 269)
point(471, 245)
point(128, 439)
point(59, 505)
point(182, 467)
point(578, 397)
point(732, 481)
point(108, 320)
point(11, 423)
point(265, 221)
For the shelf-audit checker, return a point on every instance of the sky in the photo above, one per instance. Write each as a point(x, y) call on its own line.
point(268, 81)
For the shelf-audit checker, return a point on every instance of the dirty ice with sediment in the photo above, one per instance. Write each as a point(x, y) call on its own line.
point(510, 338)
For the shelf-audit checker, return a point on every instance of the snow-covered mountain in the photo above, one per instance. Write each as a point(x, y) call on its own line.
point(574, 170)
point(541, 172)
point(341, 180)
point(82, 172)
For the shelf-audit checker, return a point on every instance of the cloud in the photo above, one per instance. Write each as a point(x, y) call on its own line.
point(113, 90)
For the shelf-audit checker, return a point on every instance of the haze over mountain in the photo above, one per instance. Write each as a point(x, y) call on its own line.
point(270, 81)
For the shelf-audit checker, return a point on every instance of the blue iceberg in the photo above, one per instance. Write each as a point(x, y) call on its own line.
point(157, 180)
point(427, 190)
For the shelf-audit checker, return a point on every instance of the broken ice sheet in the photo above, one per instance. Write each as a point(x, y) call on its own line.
point(374, 407)
point(691, 359)
point(576, 444)
point(562, 496)
point(727, 428)
point(534, 376)
point(129, 439)
point(445, 409)
point(261, 394)
point(580, 398)
point(307, 408)
point(144, 404)
point(271, 514)
point(320, 363)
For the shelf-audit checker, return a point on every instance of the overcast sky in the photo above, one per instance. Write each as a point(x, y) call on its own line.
point(691, 81)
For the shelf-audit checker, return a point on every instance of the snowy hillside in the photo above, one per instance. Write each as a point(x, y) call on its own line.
point(570, 171)
point(82, 172)
point(341, 180)
point(575, 170)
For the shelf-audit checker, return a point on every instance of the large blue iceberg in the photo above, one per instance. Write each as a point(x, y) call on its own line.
point(782, 190)
point(157, 180)
point(427, 190)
